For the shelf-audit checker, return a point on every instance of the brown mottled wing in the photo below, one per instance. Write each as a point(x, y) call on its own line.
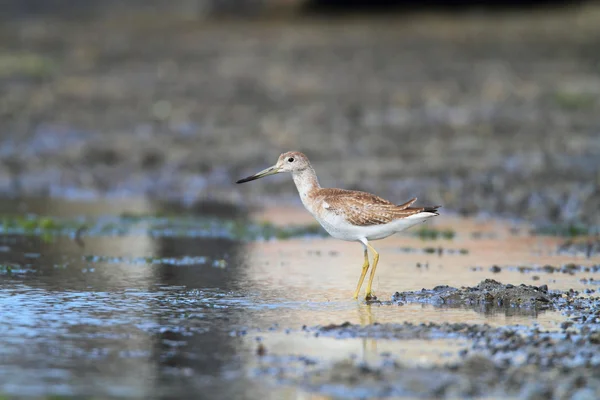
point(364, 209)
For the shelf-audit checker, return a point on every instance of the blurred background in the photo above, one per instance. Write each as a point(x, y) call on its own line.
point(113, 112)
point(484, 107)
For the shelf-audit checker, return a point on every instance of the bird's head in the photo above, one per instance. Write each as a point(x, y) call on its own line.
point(292, 161)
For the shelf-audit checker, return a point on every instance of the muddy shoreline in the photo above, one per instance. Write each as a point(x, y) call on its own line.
point(487, 114)
point(527, 362)
point(261, 306)
point(131, 265)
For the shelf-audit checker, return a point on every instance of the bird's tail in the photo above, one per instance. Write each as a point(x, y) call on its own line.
point(426, 209)
point(431, 209)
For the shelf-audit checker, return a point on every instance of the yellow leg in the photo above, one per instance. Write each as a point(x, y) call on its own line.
point(365, 268)
point(369, 294)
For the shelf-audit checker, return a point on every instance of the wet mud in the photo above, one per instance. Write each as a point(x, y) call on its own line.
point(570, 268)
point(153, 301)
point(503, 362)
point(487, 293)
point(132, 267)
point(589, 248)
point(489, 114)
point(527, 362)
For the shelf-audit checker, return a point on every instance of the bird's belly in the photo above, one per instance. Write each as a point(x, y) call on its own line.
point(340, 228)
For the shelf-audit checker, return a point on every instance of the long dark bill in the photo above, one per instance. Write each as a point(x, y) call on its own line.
point(265, 172)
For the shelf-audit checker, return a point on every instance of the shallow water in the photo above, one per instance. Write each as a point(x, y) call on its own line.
point(143, 316)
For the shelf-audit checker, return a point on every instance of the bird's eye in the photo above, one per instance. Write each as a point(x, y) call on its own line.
point(291, 159)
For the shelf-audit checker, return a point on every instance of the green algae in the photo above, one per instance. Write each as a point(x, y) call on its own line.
point(565, 230)
point(572, 101)
point(6, 269)
point(426, 233)
point(26, 65)
point(154, 225)
point(162, 224)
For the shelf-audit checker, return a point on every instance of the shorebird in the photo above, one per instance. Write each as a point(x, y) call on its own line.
point(348, 214)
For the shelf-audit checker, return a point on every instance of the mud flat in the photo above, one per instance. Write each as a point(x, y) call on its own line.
point(482, 113)
point(526, 362)
point(259, 306)
point(546, 343)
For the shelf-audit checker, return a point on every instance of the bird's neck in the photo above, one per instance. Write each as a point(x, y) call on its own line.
point(306, 182)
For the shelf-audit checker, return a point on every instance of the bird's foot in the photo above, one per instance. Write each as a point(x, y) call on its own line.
point(370, 297)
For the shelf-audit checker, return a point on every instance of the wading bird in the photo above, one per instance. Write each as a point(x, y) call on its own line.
point(348, 214)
